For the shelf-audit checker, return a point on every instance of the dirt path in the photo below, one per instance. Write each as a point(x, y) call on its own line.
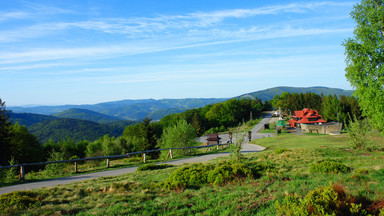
point(247, 148)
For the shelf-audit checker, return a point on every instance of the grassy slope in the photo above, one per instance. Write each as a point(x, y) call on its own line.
point(140, 193)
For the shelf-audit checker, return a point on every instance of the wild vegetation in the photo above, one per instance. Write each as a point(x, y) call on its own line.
point(276, 181)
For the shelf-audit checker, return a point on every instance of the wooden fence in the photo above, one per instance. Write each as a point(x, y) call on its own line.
point(75, 161)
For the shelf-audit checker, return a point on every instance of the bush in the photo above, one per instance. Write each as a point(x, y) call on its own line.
point(330, 200)
point(200, 174)
point(189, 176)
point(55, 168)
point(329, 166)
point(228, 172)
point(359, 133)
point(153, 167)
point(13, 202)
point(280, 151)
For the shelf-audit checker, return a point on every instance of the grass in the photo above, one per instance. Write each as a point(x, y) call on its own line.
point(141, 193)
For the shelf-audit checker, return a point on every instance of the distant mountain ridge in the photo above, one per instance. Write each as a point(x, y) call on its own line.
point(268, 94)
point(156, 109)
point(127, 109)
point(84, 114)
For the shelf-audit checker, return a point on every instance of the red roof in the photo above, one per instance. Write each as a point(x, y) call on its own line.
point(306, 116)
point(306, 113)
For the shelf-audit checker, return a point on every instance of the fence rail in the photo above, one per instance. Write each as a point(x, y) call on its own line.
point(22, 172)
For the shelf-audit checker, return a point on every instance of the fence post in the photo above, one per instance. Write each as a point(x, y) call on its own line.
point(143, 157)
point(75, 166)
point(169, 154)
point(190, 152)
point(107, 162)
point(217, 147)
point(22, 173)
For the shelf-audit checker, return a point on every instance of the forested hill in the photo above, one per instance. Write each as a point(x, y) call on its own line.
point(268, 94)
point(28, 119)
point(89, 115)
point(75, 129)
point(46, 127)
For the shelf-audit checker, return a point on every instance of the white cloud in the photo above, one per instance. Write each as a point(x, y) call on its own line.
point(13, 15)
point(134, 27)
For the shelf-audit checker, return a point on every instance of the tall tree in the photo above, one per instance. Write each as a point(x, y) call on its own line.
point(365, 59)
point(5, 135)
point(180, 135)
point(24, 146)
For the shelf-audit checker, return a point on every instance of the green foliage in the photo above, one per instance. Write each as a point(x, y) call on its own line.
point(17, 201)
point(227, 172)
point(359, 133)
point(11, 173)
point(146, 132)
point(75, 129)
point(364, 58)
point(180, 135)
point(55, 168)
point(24, 146)
point(196, 175)
point(282, 150)
point(68, 147)
point(332, 109)
point(153, 167)
point(5, 135)
point(329, 166)
point(239, 140)
point(330, 200)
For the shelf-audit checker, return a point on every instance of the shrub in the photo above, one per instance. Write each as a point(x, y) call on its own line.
point(153, 166)
point(13, 202)
point(330, 200)
point(189, 176)
point(227, 172)
point(329, 166)
point(199, 174)
point(359, 133)
point(280, 151)
point(55, 168)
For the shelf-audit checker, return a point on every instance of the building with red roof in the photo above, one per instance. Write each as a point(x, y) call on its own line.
point(306, 116)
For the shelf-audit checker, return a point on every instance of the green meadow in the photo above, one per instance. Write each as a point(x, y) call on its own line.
point(283, 169)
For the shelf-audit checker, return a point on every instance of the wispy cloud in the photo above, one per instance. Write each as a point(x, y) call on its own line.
point(142, 47)
point(13, 15)
point(143, 27)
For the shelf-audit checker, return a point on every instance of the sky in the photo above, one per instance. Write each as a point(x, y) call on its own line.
point(85, 52)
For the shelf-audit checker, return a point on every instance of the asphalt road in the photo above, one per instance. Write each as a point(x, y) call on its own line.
point(247, 148)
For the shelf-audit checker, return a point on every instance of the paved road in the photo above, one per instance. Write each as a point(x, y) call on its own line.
point(247, 148)
point(255, 130)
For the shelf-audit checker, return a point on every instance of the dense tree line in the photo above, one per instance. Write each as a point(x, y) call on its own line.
point(332, 108)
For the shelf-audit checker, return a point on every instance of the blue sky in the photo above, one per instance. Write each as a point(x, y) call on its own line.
point(86, 52)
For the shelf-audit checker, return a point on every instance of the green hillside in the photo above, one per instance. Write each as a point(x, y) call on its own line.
point(28, 119)
point(61, 129)
point(268, 94)
point(84, 114)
